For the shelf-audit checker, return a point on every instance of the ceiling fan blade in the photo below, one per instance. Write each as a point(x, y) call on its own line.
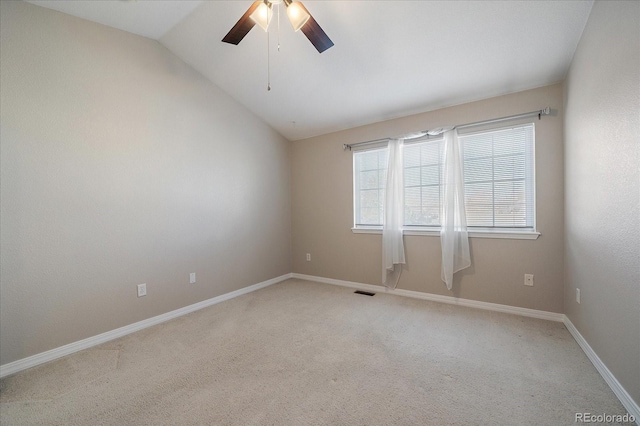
point(242, 27)
point(315, 34)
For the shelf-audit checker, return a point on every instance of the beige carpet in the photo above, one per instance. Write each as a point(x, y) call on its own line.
point(302, 353)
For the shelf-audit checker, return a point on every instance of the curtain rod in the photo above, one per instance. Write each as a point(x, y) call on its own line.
point(539, 113)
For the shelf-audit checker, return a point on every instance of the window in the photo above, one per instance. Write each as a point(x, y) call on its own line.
point(422, 183)
point(498, 172)
point(370, 176)
point(499, 178)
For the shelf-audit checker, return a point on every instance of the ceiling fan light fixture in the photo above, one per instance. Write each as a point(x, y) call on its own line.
point(260, 12)
point(262, 15)
point(298, 16)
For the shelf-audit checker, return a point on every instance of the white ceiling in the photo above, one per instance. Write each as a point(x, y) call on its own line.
point(148, 18)
point(390, 59)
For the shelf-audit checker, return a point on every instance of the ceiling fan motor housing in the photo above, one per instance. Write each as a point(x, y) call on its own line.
point(299, 17)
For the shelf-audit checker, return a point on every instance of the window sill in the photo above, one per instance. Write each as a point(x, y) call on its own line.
point(505, 234)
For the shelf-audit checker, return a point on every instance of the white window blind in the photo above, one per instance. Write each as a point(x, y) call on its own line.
point(370, 176)
point(498, 172)
point(423, 183)
point(499, 178)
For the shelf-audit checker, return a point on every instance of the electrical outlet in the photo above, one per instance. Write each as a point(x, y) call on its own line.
point(528, 280)
point(142, 290)
point(308, 257)
point(578, 295)
point(192, 278)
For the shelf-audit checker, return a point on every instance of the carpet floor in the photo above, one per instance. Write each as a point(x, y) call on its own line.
point(304, 353)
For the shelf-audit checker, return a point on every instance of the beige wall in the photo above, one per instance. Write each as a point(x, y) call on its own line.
point(602, 208)
point(121, 165)
point(323, 213)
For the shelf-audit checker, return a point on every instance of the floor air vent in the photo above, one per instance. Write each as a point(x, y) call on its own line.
point(366, 293)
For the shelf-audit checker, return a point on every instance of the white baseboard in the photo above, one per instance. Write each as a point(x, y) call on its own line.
point(532, 313)
point(41, 358)
point(628, 403)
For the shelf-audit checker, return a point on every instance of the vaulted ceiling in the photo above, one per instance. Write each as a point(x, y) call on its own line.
point(390, 59)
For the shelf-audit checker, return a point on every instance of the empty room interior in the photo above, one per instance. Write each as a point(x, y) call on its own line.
point(319, 212)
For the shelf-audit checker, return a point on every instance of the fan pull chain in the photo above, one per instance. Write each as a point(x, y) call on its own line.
point(278, 27)
point(268, 66)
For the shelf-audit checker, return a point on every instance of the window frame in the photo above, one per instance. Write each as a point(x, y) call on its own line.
point(429, 140)
point(356, 189)
point(528, 233)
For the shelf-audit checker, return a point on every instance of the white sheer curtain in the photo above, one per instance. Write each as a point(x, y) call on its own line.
point(392, 242)
point(454, 238)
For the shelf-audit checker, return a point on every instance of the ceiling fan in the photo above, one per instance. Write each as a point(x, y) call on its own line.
point(260, 13)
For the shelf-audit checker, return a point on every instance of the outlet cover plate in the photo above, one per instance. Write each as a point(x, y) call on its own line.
point(528, 280)
point(142, 290)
